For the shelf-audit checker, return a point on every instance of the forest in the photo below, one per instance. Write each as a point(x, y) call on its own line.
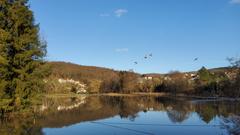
point(219, 82)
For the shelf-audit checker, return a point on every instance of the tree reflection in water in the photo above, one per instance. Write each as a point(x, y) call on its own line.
point(17, 126)
point(92, 108)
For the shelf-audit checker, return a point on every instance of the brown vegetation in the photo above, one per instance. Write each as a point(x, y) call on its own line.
point(214, 82)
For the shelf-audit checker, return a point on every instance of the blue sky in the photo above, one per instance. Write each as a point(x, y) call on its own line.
point(116, 33)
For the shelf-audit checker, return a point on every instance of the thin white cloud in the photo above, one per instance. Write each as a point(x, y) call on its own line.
point(121, 50)
point(120, 12)
point(104, 15)
point(235, 1)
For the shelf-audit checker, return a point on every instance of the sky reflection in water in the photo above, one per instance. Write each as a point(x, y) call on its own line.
point(148, 116)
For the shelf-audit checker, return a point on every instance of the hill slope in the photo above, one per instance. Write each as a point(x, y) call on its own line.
point(68, 77)
point(79, 72)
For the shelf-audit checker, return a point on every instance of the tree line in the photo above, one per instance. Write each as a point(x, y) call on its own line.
point(218, 82)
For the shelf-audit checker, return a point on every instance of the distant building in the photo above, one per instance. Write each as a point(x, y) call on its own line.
point(231, 75)
point(148, 78)
point(151, 76)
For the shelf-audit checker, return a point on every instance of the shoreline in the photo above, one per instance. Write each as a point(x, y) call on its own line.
point(145, 94)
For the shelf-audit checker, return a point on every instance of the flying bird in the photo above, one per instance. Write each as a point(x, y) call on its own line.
point(195, 59)
point(145, 57)
point(150, 54)
point(136, 63)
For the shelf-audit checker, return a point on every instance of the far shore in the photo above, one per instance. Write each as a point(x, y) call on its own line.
point(146, 94)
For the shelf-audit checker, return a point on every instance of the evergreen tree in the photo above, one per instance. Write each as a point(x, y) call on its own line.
point(204, 75)
point(21, 55)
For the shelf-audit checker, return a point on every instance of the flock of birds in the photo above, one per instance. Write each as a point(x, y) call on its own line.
point(145, 57)
point(151, 55)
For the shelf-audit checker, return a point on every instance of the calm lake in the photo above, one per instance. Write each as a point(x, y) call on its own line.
point(129, 115)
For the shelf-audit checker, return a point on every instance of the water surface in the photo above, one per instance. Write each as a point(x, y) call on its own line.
point(132, 115)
